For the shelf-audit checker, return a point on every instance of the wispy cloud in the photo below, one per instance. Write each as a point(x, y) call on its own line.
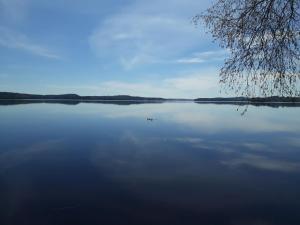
point(193, 60)
point(131, 39)
point(202, 57)
point(15, 40)
point(186, 85)
point(149, 33)
point(196, 82)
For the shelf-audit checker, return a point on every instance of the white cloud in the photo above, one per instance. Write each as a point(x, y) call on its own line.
point(129, 63)
point(149, 33)
point(193, 83)
point(202, 57)
point(193, 60)
point(10, 39)
point(189, 85)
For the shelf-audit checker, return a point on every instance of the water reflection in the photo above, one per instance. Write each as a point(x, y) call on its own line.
point(15, 157)
point(106, 164)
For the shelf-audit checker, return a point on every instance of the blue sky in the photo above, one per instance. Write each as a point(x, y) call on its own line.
point(92, 47)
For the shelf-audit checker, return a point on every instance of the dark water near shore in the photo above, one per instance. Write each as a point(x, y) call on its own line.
point(107, 164)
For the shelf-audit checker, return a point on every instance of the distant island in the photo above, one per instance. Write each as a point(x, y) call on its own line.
point(22, 96)
point(11, 96)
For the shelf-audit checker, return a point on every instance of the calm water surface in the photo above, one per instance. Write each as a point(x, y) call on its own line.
point(107, 164)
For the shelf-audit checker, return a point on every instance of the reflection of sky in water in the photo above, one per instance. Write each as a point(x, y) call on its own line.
point(193, 164)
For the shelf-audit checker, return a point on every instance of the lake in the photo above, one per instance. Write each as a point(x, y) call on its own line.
point(93, 163)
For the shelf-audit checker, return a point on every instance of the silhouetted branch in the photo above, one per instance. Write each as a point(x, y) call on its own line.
point(263, 38)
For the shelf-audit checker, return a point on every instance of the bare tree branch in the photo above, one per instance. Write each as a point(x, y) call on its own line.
point(263, 38)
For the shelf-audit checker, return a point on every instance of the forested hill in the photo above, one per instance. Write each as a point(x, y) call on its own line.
point(22, 96)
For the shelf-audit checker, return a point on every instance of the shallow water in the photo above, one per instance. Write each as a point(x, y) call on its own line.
point(93, 163)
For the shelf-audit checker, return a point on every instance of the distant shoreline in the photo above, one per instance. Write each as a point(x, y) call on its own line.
point(11, 96)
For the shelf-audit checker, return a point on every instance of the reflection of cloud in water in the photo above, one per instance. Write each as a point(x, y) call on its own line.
point(263, 163)
point(213, 173)
point(211, 120)
point(207, 117)
point(15, 157)
point(243, 154)
point(129, 138)
point(206, 157)
point(293, 141)
point(256, 146)
point(192, 140)
point(138, 156)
